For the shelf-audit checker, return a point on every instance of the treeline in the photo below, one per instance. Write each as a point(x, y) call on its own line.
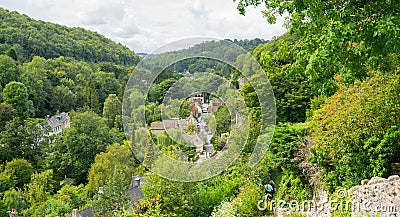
point(23, 38)
point(43, 86)
point(225, 49)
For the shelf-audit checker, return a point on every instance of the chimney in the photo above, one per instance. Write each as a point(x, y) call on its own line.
point(137, 181)
point(74, 213)
point(14, 213)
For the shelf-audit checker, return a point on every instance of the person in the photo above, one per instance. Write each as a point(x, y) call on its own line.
point(270, 188)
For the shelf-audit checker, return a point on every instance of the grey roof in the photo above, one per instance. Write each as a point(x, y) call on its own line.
point(169, 124)
point(88, 212)
point(135, 194)
point(134, 191)
point(58, 120)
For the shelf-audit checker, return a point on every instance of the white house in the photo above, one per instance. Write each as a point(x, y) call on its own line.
point(58, 123)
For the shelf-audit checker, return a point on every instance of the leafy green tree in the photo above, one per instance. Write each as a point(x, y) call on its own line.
point(52, 207)
point(6, 181)
point(76, 196)
point(176, 195)
point(114, 192)
point(91, 97)
point(286, 144)
point(39, 188)
point(74, 154)
point(184, 110)
point(14, 140)
point(105, 84)
point(24, 139)
point(153, 113)
point(250, 95)
point(118, 70)
point(198, 198)
point(347, 37)
point(39, 89)
point(223, 119)
point(116, 158)
point(13, 199)
point(112, 108)
point(20, 171)
point(9, 70)
point(16, 94)
point(157, 91)
point(352, 129)
point(63, 99)
point(247, 199)
point(7, 113)
point(11, 53)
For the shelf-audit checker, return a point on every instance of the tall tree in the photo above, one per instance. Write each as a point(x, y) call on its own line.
point(112, 108)
point(14, 199)
point(117, 158)
point(91, 98)
point(16, 94)
point(348, 37)
point(105, 84)
point(39, 90)
point(21, 171)
point(9, 70)
point(7, 113)
point(184, 110)
point(73, 156)
point(24, 139)
point(40, 186)
point(13, 140)
point(223, 119)
point(63, 99)
point(356, 131)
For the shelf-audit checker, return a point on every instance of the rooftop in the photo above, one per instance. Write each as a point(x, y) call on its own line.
point(58, 120)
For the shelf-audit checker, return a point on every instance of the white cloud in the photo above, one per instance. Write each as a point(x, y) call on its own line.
point(145, 25)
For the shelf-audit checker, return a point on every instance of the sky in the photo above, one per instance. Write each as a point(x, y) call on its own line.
point(146, 25)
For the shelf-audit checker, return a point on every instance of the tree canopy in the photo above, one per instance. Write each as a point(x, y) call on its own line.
point(28, 38)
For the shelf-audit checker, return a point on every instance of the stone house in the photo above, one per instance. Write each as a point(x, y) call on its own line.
point(197, 97)
point(58, 123)
point(159, 127)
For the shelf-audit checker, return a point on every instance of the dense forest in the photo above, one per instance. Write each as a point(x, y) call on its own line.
point(336, 80)
point(24, 38)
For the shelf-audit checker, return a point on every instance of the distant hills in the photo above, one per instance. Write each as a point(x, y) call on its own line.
point(25, 37)
point(28, 37)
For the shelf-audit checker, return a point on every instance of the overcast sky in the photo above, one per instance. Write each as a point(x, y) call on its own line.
point(145, 25)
